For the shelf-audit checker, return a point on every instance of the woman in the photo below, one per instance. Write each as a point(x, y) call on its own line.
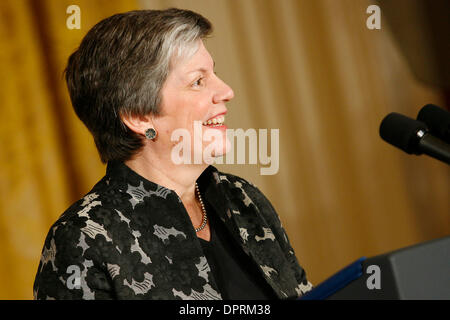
point(151, 228)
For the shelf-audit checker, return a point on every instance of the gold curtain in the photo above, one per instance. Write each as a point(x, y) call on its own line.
point(308, 68)
point(47, 158)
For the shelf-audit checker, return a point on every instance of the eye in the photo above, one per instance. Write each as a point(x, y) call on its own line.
point(198, 82)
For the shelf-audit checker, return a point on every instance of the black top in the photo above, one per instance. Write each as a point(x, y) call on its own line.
point(237, 276)
point(130, 238)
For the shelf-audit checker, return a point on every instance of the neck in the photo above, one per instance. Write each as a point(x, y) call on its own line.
point(179, 178)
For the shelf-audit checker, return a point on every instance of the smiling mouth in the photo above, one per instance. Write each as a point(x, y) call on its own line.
point(217, 121)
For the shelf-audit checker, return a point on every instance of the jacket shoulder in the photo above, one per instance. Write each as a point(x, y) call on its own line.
point(101, 204)
point(80, 240)
point(81, 220)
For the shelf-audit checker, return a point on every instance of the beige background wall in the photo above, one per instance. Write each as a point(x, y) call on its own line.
point(308, 68)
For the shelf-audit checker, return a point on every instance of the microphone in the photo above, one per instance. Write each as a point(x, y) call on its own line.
point(437, 120)
point(413, 137)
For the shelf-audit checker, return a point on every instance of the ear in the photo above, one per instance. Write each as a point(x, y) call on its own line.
point(137, 124)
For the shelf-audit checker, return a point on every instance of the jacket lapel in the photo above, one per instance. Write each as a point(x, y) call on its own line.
point(248, 228)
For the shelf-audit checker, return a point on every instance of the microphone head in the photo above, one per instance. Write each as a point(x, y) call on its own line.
point(401, 131)
point(437, 120)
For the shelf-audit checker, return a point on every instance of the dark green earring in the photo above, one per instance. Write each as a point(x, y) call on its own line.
point(150, 133)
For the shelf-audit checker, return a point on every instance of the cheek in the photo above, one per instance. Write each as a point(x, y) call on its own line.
point(173, 116)
point(196, 110)
point(180, 111)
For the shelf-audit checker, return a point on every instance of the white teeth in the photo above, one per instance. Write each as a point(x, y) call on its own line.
point(215, 121)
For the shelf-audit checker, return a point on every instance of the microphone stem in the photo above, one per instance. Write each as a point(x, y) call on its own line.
point(435, 148)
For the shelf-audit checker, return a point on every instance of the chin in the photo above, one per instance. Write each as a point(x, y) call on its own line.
point(217, 149)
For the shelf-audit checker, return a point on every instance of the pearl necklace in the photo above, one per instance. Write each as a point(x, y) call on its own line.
point(205, 217)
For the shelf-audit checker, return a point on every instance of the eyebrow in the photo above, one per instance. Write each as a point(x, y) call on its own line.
point(204, 70)
point(199, 69)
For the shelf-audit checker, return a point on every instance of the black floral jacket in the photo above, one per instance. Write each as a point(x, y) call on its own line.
point(130, 238)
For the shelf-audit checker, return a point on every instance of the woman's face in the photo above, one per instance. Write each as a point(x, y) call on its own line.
point(193, 94)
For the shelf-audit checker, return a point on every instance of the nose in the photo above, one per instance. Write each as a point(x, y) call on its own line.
point(224, 92)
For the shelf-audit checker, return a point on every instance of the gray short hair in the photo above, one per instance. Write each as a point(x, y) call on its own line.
point(120, 68)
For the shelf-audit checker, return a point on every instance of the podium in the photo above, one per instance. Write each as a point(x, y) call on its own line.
point(420, 272)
